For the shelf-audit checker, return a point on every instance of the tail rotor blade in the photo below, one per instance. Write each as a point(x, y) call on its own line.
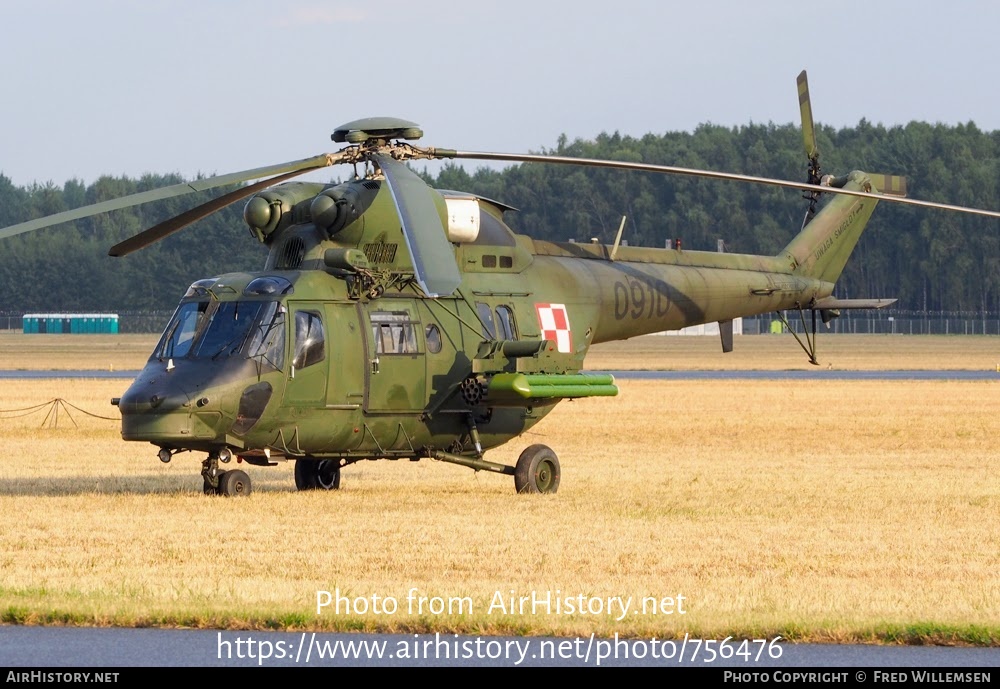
point(808, 128)
point(812, 150)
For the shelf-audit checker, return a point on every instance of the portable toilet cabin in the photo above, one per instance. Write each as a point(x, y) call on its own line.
point(75, 323)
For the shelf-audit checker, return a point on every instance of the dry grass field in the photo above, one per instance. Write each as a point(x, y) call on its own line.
point(826, 511)
point(780, 352)
point(19, 352)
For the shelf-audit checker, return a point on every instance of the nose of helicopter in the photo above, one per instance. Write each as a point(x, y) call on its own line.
point(160, 408)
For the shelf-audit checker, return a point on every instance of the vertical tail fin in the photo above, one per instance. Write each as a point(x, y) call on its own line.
point(821, 249)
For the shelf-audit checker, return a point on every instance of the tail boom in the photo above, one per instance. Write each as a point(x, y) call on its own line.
point(821, 250)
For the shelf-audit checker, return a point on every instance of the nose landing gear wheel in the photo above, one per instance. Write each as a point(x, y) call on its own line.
point(311, 474)
point(234, 483)
point(537, 470)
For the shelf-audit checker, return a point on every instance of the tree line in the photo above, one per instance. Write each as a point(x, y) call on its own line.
point(931, 260)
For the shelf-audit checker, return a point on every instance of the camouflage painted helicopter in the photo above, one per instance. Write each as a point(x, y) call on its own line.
point(394, 321)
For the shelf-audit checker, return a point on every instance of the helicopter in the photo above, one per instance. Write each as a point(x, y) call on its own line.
point(395, 321)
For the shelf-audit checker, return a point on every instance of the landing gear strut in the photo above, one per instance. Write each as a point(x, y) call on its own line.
point(227, 483)
point(537, 469)
point(210, 472)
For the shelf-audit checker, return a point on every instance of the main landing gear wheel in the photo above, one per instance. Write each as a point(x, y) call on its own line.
point(234, 483)
point(537, 470)
point(312, 474)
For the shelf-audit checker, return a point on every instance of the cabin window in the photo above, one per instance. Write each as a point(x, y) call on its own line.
point(310, 347)
point(433, 336)
point(505, 323)
point(489, 261)
point(486, 318)
point(393, 332)
point(506, 261)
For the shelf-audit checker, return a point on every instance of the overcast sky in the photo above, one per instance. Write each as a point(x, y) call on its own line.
point(211, 86)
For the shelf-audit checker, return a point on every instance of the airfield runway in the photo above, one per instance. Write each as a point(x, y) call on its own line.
point(118, 647)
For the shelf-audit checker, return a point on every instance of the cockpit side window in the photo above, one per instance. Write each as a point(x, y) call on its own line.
point(310, 342)
point(267, 340)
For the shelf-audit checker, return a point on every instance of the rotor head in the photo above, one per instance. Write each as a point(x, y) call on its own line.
point(376, 129)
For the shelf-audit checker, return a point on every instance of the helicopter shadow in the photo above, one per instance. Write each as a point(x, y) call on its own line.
point(137, 484)
point(442, 386)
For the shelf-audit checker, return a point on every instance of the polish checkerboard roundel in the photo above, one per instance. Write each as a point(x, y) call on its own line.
point(554, 322)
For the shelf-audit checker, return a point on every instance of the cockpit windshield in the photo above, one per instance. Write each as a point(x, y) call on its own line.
point(214, 329)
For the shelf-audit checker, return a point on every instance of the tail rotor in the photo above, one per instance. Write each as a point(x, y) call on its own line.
point(815, 174)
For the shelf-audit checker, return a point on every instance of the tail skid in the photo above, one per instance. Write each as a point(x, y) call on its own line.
point(829, 308)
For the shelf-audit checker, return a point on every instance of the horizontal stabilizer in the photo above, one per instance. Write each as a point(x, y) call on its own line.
point(834, 303)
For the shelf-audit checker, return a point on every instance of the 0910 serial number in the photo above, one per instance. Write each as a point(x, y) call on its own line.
point(641, 298)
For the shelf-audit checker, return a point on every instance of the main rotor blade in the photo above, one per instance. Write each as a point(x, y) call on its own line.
point(689, 172)
point(179, 222)
point(297, 166)
point(426, 238)
point(895, 185)
point(805, 107)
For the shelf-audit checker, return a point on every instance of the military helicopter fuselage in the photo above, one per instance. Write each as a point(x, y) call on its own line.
point(332, 354)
